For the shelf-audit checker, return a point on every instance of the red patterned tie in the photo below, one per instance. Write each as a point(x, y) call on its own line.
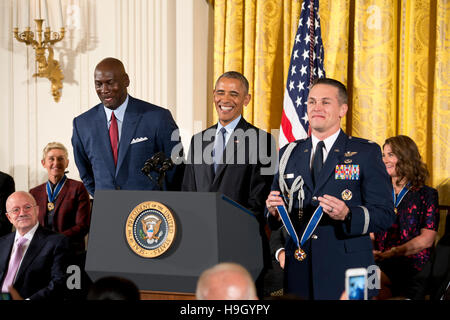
point(114, 136)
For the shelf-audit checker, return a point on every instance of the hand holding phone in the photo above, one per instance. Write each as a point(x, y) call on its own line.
point(356, 283)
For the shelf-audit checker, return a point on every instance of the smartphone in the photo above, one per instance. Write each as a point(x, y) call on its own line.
point(5, 296)
point(356, 283)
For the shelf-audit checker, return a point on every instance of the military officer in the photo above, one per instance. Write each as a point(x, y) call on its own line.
point(336, 191)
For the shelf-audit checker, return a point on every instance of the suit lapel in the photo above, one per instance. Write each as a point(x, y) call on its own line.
point(208, 169)
point(5, 252)
point(129, 125)
point(33, 250)
point(61, 195)
point(334, 155)
point(41, 199)
point(303, 155)
point(59, 200)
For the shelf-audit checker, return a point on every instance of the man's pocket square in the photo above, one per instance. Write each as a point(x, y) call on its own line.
point(136, 140)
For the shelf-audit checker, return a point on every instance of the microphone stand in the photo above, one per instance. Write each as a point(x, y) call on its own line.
point(160, 164)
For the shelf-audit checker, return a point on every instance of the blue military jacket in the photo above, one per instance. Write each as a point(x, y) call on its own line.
point(353, 172)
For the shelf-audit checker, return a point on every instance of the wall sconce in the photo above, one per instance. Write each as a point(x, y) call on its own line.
point(48, 67)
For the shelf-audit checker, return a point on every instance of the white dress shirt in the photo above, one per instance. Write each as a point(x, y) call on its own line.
point(229, 127)
point(328, 145)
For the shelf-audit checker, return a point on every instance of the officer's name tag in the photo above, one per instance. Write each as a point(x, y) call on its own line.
point(346, 172)
point(288, 176)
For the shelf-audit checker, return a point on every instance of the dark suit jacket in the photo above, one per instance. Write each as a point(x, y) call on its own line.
point(146, 130)
point(439, 276)
point(277, 240)
point(42, 274)
point(72, 210)
point(7, 187)
point(247, 171)
point(336, 245)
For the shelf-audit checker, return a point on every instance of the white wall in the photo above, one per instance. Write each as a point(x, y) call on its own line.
point(163, 44)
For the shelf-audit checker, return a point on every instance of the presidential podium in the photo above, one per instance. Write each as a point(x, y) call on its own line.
point(209, 228)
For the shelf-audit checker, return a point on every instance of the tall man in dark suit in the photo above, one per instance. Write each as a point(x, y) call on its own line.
point(346, 178)
point(32, 259)
point(112, 141)
point(7, 187)
point(233, 157)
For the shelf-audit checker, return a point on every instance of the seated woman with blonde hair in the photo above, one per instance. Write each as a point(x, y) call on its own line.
point(403, 250)
point(64, 204)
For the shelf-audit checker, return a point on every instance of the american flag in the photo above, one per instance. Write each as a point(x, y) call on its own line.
point(306, 65)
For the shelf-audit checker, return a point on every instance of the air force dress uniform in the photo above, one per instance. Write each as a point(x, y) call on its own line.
point(353, 172)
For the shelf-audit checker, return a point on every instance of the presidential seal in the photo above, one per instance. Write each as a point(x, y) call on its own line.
point(150, 229)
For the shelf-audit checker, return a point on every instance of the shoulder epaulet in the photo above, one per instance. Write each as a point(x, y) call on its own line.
point(294, 143)
point(301, 140)
point(356, 139)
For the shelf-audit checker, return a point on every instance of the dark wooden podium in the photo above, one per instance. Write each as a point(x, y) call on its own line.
point(161, 295)
point(211, 229)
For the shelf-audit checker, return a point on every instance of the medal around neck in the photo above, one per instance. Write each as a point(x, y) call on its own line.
point(52, 195)
point(397, 199)
point(50, 206)
point(300, 254)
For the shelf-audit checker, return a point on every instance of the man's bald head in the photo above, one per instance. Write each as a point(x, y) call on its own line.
point(22, 194)
point(226, 281)
point(22, 211)
point(111, 64)
point(111, 82)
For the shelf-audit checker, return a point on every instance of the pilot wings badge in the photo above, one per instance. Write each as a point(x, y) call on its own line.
point(150, 229)
point(350, 153)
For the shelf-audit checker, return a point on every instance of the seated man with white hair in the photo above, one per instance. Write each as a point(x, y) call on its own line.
point(226, 281)
point(33, 260)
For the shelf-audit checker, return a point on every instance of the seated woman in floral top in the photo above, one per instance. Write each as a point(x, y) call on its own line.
point(402, 251)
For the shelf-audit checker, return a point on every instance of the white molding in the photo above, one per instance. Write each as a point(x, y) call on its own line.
point(163, 44)
point(191, 67)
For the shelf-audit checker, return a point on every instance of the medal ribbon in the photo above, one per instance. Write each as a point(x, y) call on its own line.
point(288, 223)
point(312, 224)
point(400, 196)
point(53, 195)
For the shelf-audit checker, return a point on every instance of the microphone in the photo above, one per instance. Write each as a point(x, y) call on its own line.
point(160, 164)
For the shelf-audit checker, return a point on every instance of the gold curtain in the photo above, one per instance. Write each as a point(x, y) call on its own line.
point(392, 55)
point(255, 38)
